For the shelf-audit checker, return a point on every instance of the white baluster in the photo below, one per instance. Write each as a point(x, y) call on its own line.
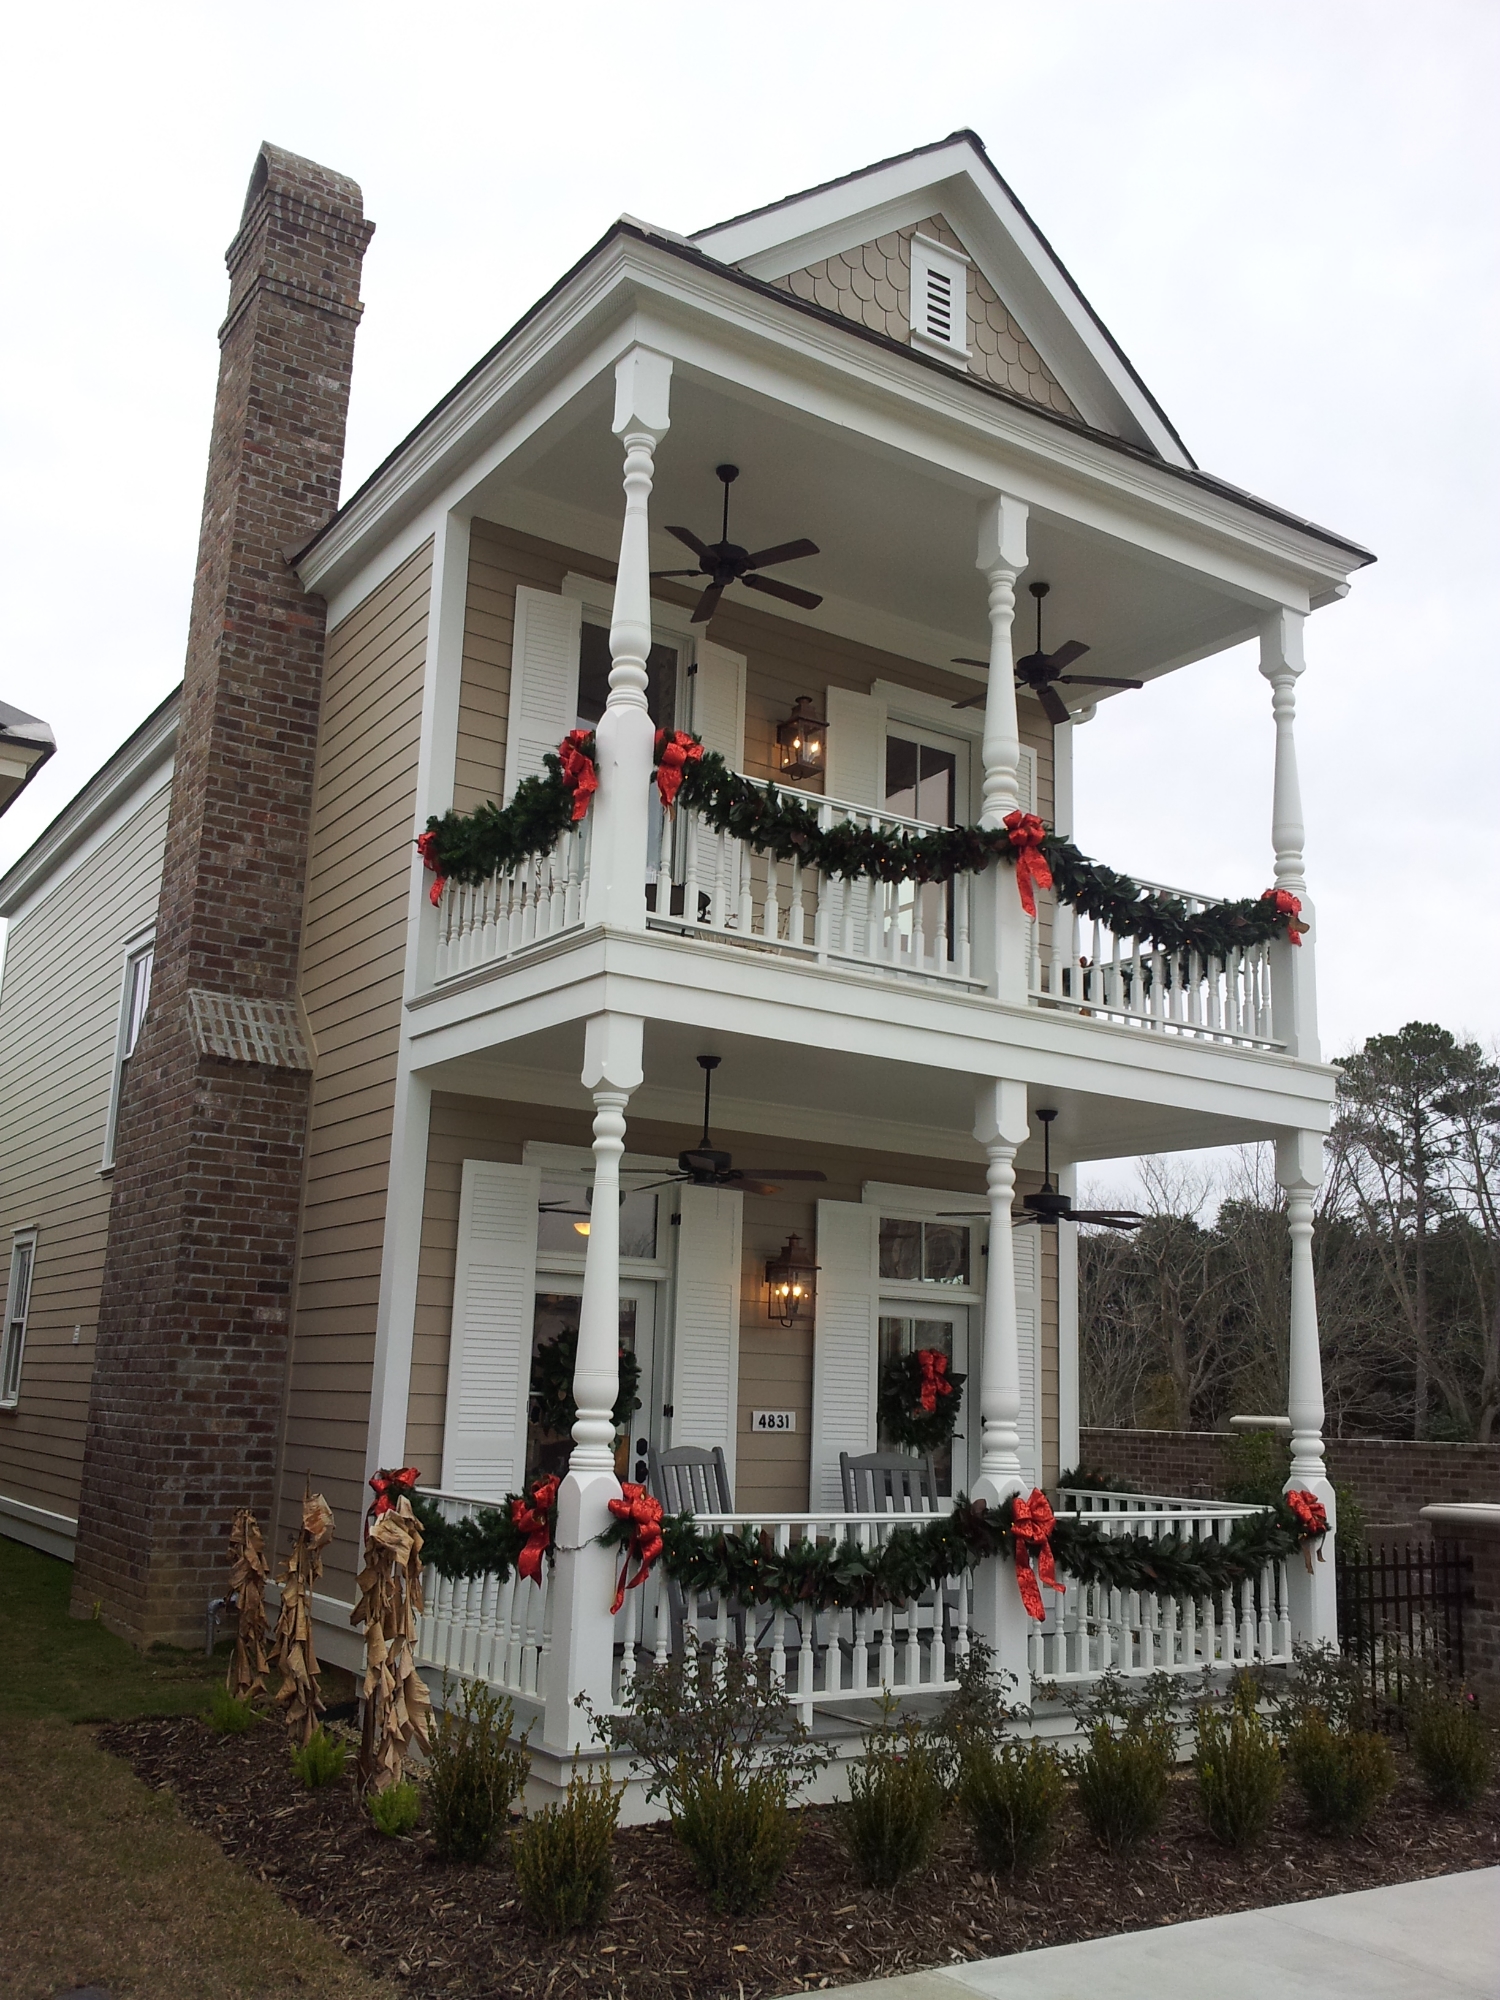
point(746, 905)
point(796, 916)
point(770, 916)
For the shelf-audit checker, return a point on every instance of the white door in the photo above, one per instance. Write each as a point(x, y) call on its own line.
point(907, 1326)
point(555, 1318)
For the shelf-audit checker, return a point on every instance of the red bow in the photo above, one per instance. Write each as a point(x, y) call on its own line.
point(1031, 1524)
point(427, 847)
point(1289, 906)
point(1312, 1519)
point(636, 1506)
point(389, 1487)
point(935, 1383)
point(672, 759)
point(532, 1513)
point(578, 770)
point(1026, 836)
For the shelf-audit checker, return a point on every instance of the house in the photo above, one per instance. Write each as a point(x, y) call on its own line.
point(307, 1152)
point(25, 745)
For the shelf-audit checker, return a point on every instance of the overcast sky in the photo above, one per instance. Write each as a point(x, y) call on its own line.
point(1285, 213)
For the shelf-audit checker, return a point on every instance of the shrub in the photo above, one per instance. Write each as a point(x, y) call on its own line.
point(727, 1756)
point(1343, 1774)
point(563, 1860)
point(396, 1810)
point(976, 1714)
point(230, 1714)
point(1010, 1798)
point(320, 1759)
point(895, 1804)
point(1452, 1750)
point(474, 1770)
point(1123, 1775)
point(1323, 1682)
point(1238, 1762)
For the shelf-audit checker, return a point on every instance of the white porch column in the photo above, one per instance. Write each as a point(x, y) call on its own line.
point(1314, 1599)
point(1002, 557)
point(625, 735)
point(1294, 994)
point(1000, 1127)
point(582, 1659)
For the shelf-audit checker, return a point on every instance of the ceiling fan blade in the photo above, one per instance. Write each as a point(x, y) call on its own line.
point(757, 1187)
point(1109, 1218)
point(649, 1187)
point(973, 700)
point(707, 604)
point(1097, 681)
point(687, 536)
point(960, 661)
point(1066, 654)
point(1053, 706)
point(782, 1173)
point(677, 572)
point(783, 552)
point(806, 598)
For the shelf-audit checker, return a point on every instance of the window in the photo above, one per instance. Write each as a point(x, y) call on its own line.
point(135, 998)
point(926, 778)
point(939, 300)
point(924, 1253)
point(563, 1220)
point(593, 679)
point(17, 1299)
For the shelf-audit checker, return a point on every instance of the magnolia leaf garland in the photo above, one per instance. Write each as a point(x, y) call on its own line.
point(469, 847)
point(248, 1667)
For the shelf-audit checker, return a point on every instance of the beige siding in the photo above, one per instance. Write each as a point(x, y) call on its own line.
point(353, 942)
point(59, 1018)
point(775, 1362)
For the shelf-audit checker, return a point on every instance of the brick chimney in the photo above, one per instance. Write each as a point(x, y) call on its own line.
point(189, 1375)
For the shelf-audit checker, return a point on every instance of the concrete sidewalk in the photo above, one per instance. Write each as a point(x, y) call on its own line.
point(1433, 1940)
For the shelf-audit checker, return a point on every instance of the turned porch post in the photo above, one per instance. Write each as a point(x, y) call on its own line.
point(1314, 1598)
point(1294, 997)
point(625, 735)
point(583, 1579)
point(1002, 557)
point(999, 1618)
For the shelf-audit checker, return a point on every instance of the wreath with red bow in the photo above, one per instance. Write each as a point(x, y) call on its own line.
point(919, 1400)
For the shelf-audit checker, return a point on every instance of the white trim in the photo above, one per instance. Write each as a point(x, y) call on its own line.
point(90, 819)
point(929, 711)
point(598, 597)
point(17, 1314)
point(142, 945)
point(39, 1527)
point(1068, 1446)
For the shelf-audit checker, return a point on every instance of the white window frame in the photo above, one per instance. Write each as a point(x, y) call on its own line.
point(17, 1312)
point(138, 948)
point(938, 269)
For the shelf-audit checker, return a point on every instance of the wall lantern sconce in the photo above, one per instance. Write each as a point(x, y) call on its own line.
point(802, 742)
point(791, 1282)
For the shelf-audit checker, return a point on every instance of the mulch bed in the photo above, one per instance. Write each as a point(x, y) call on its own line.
point(441, 1930)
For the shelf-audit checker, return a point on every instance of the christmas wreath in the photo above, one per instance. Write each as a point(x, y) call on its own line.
point(552, 1369)
point(919, 1400)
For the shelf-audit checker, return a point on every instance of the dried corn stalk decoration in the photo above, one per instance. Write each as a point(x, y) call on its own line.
point(292, 1650)
point(247, 1589)
point(397, 1704)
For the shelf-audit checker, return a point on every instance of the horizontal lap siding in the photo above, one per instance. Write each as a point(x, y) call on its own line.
point(59, 1017)
point(353, 951)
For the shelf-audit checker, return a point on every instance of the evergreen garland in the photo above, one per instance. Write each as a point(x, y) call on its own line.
point(552, 1369)
point(898, 1406)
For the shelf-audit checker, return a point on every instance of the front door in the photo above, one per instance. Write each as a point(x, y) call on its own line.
point(554, 1341)
point(906, 1327)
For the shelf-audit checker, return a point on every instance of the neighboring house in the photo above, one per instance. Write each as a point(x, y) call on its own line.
point(354, 1147)
point(25, 745)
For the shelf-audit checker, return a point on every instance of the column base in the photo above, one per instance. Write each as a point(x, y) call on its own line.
point(1000, 1618)
point(1313, 1599)
point(583, 1632)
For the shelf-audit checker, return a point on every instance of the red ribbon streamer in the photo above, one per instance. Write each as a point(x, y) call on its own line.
point(935, 1383)
point(532, 1514)
point(1289, 906)
point(579, 772)
point(389, 1487)
point(1312, 1519)
point(643, 1512)
point(1031, 1523)
point(672, 759)
point(1026, 836)
point(427, 846)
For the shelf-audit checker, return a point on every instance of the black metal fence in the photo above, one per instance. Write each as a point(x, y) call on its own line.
point(1401, 1616)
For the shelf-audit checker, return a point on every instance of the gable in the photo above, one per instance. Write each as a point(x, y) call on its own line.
point(871, 284)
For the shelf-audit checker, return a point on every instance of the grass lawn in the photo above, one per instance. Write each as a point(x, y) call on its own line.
point(104, 1883)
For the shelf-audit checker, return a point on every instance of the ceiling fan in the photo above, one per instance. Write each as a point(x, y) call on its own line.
point(1048, 1204)
point(707, 1165)
point(1039, 671)
point(724, 562)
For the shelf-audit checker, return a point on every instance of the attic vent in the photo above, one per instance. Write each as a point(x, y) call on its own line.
point(939, 300)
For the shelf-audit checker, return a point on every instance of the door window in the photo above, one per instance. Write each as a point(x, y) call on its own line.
point(906, 1331)
point(554, 1343)
point(926, 778)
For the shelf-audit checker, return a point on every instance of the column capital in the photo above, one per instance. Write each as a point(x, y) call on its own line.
point(612, 1053)
point(643, 380)
point(1281, 653)
point(1000, 1113)
point(1299, 1162)
point(1002, 534)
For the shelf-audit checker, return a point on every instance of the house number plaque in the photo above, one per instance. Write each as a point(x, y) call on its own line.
point(773, 1420)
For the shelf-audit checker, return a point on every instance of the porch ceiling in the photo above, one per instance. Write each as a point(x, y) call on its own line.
point(844, 1099)
point(896, 534)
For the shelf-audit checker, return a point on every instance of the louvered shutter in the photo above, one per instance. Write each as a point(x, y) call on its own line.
point(844, 1343)
point(543, 681)
point(1028, 1338)
point(856, 749)
point(706, 1319)
point(489, 1354)
point(1026, 779)
point(718, 682)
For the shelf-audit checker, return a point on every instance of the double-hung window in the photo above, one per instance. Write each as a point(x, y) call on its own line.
point(135, 997)
point(17, 1300)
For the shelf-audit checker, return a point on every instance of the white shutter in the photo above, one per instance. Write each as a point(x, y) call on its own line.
point(856, 750)
point(1026, 779)
point(1029, 1339)
point(543, 680)
point(844, 1343)
point(718, 682)
point(706, 1321)
point(489, 1354)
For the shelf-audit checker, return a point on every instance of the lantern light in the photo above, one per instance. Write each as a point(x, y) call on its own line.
point(791, 1282)
point(802, 741)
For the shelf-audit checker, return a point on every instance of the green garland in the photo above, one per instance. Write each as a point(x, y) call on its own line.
point(484, 1544)
point(468, 847)
point(552, 1370)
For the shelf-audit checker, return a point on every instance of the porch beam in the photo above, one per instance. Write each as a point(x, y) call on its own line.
point(1314, 1599)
